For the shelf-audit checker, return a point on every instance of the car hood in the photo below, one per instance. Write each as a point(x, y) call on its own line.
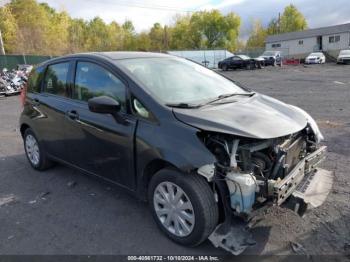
point(344, 56)
point(259, 116)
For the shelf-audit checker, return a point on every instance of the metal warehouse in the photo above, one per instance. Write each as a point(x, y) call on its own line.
point(330, 40)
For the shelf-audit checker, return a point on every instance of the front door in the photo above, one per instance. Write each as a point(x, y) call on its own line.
point(97, 143)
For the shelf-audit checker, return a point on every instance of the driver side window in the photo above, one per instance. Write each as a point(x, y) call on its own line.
point(92, 80)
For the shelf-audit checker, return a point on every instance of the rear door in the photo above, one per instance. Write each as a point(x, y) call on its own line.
point(52, 103)
point(97, 143)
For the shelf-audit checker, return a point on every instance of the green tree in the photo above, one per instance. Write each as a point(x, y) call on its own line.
point(257, 36)
point(181, 37)
point(292, 20)
point(77, 32)
point(211, 29)
point(9, 29)
point(143, 42)
point(33, 25)
point(156, 36)
point(273, 27)
point(129, 41)
point(57, 36)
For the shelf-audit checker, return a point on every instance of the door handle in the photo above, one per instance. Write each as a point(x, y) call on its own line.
point(72, 115)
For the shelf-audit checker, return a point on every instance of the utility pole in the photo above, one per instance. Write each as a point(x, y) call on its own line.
point(2, 48)
point(279, 22)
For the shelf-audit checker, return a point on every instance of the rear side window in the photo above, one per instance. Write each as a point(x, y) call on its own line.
point(92, 80)
point(35, 79)
point(56, 79)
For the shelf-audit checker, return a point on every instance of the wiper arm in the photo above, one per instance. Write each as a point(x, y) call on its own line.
point(220, 97)
point(182, 105)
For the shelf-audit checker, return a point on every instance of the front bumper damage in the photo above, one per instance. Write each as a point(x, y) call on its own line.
point(305, 186)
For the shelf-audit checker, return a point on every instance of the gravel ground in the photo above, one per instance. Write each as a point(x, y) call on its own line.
point(62, 211)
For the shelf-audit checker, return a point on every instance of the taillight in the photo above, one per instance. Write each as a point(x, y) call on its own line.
point(23, 94)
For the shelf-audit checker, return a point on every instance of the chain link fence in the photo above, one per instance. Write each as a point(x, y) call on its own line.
point(255, 52)
point(11, 61)
point(208, 58)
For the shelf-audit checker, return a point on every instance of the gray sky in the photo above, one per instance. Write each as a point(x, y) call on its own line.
point(144, 13)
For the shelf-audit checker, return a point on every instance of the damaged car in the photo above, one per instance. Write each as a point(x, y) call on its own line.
point(203, 151)
point(241, 62)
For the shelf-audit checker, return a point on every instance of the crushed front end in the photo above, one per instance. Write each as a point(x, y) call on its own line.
point(253, 173)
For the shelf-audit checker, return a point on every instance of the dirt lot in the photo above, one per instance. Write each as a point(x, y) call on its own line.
point(46, 213)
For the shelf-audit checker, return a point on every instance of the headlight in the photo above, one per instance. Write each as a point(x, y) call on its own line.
point(313, 125)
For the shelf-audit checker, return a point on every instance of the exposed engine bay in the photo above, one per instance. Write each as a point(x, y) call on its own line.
point(253, 173)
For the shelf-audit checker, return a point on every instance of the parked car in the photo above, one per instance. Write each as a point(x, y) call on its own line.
point(240, 61)
point(315, 58)
point(344, 57)
point(201, 149)
point(273, 58)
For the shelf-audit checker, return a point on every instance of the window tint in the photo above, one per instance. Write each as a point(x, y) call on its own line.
point(56, 79)
point(35, 78)
point(92, 80)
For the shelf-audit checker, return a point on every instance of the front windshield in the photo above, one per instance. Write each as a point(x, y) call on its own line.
point(174, 80)
point(268, 53)
point(243, 56)
point(315, 54)
point(345, 52)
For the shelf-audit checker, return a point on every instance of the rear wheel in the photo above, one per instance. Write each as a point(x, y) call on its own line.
point(35, 152)
point(183, 206)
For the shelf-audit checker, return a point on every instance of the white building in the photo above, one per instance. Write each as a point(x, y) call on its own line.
point(330, 39)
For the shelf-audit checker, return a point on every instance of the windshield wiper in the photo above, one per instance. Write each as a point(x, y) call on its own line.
point(182, 105)
point(220, 97)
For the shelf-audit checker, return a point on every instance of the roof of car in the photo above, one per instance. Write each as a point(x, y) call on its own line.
point(110, 56)
point(120, 55)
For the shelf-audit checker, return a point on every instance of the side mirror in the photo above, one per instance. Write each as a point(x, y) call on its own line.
point(103, 105)
point(106, 105)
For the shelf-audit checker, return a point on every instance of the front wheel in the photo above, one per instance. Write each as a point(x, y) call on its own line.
point(224, 67)
point(183, 206)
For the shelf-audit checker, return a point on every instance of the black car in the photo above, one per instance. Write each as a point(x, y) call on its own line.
point(195, 145)
point(240, 62)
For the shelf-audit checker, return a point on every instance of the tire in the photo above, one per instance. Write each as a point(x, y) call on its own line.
point(197, 195)
point(224, 67)
point(32, 147)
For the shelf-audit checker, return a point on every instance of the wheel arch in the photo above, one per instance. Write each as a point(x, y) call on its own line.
point(23, 128)
point(150, 169)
